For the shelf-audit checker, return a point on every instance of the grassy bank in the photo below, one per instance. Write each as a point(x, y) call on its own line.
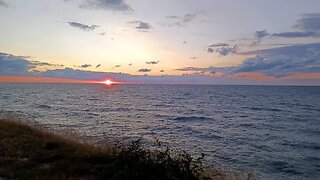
point(27, 152)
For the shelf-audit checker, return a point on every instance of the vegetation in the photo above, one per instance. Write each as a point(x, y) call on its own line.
point(27, 152)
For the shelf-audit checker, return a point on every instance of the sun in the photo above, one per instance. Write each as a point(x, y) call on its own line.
point(108, 82)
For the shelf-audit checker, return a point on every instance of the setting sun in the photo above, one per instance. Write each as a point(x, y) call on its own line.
point(108, 82)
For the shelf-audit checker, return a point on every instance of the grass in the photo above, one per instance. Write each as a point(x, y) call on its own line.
point(27, 152)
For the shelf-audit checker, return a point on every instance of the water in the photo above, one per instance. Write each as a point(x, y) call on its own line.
point(274, 131)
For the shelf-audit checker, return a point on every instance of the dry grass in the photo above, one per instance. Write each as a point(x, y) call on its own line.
point(28, 152)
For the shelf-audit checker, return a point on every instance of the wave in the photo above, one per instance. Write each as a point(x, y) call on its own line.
point(192, 118)
point(42, 106)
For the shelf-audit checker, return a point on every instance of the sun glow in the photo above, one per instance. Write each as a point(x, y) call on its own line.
point(108, 82)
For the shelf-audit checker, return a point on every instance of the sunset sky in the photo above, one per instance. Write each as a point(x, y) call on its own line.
point(165, 41)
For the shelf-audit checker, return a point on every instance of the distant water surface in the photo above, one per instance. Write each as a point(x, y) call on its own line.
point(272, 130)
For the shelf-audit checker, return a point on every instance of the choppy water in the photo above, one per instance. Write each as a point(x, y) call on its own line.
point(274, 131)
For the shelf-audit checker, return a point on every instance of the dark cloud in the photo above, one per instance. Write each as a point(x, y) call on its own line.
point(116, 66)
point(210, 50)
point(144, 70)
point(103, 33)
point(83, 26)
point(193, 58)
point(283, 61)
point(277, 62)
point(309, 22)
point(19, 65)
point(85, 65)
point(162, 70)
point(296, 34)
point(218, 45)
point(3, 4)
point(99, 65)
point(152, 62)
point(181, 20)
point(308, 25)
point(259, 36)
point(130, 64)
point(14, 65)
point(38, 63)
point(114, 5)
point(223, 49)
point(141, 26)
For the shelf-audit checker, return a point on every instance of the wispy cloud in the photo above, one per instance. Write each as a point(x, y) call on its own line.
point(181, 20)
point(99, 65)
point(116, 66)
point(141, 26)
point(113, 5)
point(309, 22)
point(144, 70)
point(85, 65)
point(198, 69)
point(223, 49)
point(258, 37)
point(3, 4)
point(83, 26)
point(152, 62)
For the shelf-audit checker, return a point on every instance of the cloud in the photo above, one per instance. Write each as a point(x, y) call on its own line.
point(3, 4)
point(141, 26)
point(308, 26)
point(116, 66)
point(83, 26)
point(198, 69)
point(219, 45)
point(152, 62)
point(162, 70)
point(283, 61)
point(274, 62)
point(103, 33)
point(14, 65)
point(259, 36)
point(97, 66)
point(309, 22)
point(181, 20)
point(38, 63)
point(85, 65)
point(114, 5)
point(193, 57)
point(296, 34)
point(285, 64)
point(223, 49)
point(144, 70)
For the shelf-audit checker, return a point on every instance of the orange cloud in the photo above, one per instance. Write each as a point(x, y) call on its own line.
point(303, 76)
point(257, 76)
point(30, 79)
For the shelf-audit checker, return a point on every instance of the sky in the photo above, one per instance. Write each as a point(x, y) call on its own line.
point(164, 41)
